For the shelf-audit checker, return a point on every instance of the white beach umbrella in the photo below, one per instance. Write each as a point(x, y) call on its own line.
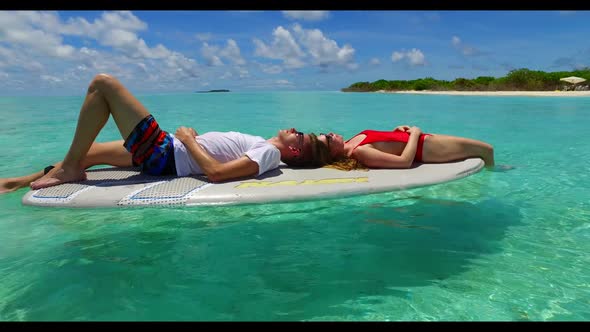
point(573, 79)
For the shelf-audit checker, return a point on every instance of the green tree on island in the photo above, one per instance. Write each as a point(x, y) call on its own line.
point(516, 80)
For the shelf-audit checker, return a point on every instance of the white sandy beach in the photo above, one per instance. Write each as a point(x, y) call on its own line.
point(498, 93)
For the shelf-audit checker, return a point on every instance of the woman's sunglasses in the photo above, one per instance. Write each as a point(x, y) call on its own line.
point(329, 138)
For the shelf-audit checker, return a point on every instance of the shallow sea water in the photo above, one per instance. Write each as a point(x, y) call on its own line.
point(497, 245)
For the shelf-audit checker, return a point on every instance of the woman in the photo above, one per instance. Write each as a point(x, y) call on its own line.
point(400, 148)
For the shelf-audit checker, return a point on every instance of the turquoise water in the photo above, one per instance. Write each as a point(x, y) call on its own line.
point(498, 245)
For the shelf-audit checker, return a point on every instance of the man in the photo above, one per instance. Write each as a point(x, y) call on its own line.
point(219, 156)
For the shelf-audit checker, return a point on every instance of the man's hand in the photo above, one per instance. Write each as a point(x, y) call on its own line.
point(185, 134)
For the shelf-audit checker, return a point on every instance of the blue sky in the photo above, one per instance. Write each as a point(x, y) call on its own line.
point(58, 53)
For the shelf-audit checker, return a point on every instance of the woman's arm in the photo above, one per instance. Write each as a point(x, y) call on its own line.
point(374, 158)
point(216, 171)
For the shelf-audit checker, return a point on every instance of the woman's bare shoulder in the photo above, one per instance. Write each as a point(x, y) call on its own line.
point(362, 150)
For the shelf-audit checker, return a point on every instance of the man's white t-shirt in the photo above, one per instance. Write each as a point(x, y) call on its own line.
point(227, 146)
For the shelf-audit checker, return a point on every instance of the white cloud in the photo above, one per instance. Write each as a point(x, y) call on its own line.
point(236, 72)
point(232, 52)
point(33, 42)
point(375, 62)
point(352, 66)
point(142, 66)
point(283, 47)
point(51, 79)
point(293, 47)
point(208, 52)
point(16, 60)
point(324, 51)
point(27, 30)
point(283, 82)
point(48, 21)
point(117, 30)
point(183, 65)
point(397, 56)
point(463, 48)
point(263, 83)
point(243, 72)
point(123, 20)
point(273, 69)
point(204, 36)
point(306, 15)
point(414, 57)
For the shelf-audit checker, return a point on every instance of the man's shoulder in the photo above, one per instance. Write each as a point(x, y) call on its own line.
point(262, 143)
point(252, 138)
point(243, 139)
point(265, 147)
point(227, 134)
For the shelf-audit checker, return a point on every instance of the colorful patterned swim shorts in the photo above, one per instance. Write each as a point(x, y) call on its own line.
point(152, 148)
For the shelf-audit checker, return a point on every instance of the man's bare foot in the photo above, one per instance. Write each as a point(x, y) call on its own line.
point(57, 176)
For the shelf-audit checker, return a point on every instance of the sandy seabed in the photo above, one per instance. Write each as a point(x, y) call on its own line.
point(497, 93)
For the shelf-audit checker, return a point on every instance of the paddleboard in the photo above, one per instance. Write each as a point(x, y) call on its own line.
point(127, 187)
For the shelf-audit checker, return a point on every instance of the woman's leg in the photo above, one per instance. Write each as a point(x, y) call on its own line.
point(444, 148)
point(109, 153)
point(106, 95)
point(11, 184)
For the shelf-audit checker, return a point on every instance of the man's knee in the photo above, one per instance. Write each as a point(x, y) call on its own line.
point(102, 82)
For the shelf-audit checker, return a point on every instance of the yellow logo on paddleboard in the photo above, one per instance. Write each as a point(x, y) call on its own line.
point(298, 183)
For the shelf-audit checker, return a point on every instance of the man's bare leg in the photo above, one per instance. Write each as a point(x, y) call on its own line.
point(109, 153)
point(106, 95)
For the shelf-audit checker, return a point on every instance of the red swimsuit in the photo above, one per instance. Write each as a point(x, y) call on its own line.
point(389, 136)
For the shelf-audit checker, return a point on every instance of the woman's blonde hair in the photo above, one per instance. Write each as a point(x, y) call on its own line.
point(347, 164)
point(317, 155)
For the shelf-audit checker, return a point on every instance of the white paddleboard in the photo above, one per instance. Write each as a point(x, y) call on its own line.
point(123, 187)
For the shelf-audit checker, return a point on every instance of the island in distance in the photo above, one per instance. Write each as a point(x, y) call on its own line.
point(221, 90)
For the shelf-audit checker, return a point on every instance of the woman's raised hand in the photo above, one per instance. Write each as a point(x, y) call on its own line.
point(415, 131)
point(403, 128)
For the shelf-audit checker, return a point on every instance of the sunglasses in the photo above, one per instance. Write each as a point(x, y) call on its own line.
point(300, 139)
point(329, 138)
